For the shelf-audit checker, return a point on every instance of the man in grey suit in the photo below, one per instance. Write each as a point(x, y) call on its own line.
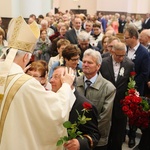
point(116, 69)
point(100, 92)
point(71, 35)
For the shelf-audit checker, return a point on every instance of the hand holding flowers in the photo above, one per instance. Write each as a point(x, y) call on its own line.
point(73, 128)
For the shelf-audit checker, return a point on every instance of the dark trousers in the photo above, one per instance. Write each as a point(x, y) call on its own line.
point(117, 133)
point(132, 132)
point(145, 140)
point(100, 147)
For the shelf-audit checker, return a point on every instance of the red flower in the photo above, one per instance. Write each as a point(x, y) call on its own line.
point(129, 114)
point(131, 91)
point(137, 99)
point(132, 74)
point(87, 105)
point(135, 107)
point(125, 108)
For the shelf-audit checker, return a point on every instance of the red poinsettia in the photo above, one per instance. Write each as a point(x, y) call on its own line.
point(135, 107)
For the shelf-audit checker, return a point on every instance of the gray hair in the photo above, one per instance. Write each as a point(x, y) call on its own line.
point(22, 53)
point(119, 46)
point(95, 54)
point(146, 32)
point(44, 22)
point(83, 36)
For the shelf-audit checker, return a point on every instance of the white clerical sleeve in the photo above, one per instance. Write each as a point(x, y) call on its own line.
point(36, 116)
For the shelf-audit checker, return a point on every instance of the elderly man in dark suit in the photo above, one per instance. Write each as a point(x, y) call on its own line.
point(140, 57)
point(99, 91)
point(116, 68)
point(146, 23)
point(89, 130)
point(71, 35)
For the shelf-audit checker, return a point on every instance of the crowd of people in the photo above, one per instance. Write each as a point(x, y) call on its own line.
point(76, 58)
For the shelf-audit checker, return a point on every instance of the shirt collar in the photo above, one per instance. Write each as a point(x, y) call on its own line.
point(135, 47)
point(93, 79)
point(77, 30)
point(115, 63)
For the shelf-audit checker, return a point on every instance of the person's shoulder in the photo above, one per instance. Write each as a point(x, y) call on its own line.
point(79, 81)
point(142, 51)
point(142, 48)
point(105, 55)
point(56, 63)
point(126, 58)
point(105, 82)
point(55, 58)
point(70, 31)
point(106, 60)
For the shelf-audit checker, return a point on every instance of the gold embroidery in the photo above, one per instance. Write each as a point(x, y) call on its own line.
point(35, 30)
point(2, 80)
point(13, 90)
point(17, 40)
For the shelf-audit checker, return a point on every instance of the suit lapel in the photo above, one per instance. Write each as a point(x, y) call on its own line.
point(122, 66)
point(75, 36)
point(111, 69)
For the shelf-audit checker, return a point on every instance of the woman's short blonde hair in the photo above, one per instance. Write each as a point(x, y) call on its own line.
point(2, 32)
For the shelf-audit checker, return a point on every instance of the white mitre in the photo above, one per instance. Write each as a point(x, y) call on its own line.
point(20, 36)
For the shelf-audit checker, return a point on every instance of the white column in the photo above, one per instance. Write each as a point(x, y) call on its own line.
point(37, 7)
point(15, 8)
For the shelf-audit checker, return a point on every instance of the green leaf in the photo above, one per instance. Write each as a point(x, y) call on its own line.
point(79, 133)
point(83, 120)
point(131, 84)
point(59, 142)
point(88, 119)
point(67, 124)
point(81, 136)
point(73, 135)
point(145, 105)
point(66, 138)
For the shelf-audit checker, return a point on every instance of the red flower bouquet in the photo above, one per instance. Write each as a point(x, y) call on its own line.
point(72, 128)
point(137, 108)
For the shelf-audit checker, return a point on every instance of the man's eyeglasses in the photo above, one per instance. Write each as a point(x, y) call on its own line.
point(126, 38)
point(119, 56)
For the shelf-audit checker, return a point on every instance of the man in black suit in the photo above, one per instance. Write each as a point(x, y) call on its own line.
point(122, 22)
point(146, 23)
point(71, 35)
point(116, 68)
point(89, 130)
point(140, 56)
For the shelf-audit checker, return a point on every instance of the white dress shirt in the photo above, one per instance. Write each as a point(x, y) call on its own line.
point(131, 52)
point(116, 67)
